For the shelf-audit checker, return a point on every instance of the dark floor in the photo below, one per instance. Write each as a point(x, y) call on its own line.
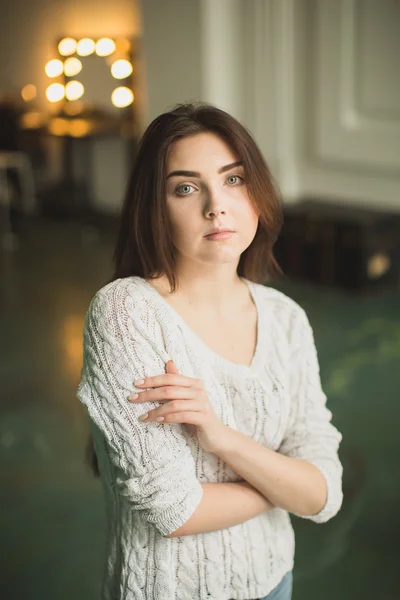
point(51, 509)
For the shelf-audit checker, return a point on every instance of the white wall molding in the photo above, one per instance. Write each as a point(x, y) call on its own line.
point(345, 152)
point(352, 115)
point(260, 105)
point(369, 190)
point(222, 54)
point(345, 135)
point(284, 65)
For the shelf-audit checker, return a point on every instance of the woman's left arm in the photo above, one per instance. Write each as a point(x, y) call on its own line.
point(304, 476)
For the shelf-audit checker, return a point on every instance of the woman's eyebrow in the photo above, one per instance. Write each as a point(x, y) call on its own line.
point(238, 163)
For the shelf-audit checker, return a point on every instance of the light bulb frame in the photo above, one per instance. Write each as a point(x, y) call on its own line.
point(97, 117)
point(124, 49)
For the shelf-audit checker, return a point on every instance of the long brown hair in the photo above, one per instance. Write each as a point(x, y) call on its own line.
point(144, 245)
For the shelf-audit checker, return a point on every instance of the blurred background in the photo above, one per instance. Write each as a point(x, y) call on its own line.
point(317, 83)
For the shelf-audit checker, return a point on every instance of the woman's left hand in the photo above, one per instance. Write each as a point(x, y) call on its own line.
point(185, 401)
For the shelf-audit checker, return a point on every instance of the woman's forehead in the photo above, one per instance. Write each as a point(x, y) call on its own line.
point(202, 149)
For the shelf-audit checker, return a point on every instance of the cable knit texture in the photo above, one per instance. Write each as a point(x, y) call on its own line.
point(152, 472)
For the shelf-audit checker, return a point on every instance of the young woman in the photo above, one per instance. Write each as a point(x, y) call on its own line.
point(201, 382)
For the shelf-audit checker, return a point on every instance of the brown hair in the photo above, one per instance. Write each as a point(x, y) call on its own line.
point(144, 245)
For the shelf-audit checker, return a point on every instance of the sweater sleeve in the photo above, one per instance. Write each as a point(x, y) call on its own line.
point(154, 467)
point(310, 434)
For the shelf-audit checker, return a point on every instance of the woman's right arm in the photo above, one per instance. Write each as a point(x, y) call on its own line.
point(224, 505)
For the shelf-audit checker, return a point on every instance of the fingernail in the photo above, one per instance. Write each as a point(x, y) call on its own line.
point(133, 396)
point(143, 417)
point(138, 382)
point(159, 419)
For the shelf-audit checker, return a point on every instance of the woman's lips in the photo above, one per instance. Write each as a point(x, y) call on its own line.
point(223, 235)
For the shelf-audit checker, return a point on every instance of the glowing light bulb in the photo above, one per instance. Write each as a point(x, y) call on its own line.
point(121, 97)
point(54, 68)
point(29, 92)
point(85, 47)
point(121, 69)
point(58, 126)
point(31, 120)
point(105, 47)
point(72, 67)
point(67, 46)
point(74, 90)
point(123, 45)
point(55, 92)
point(79, 127)
point(74, 108)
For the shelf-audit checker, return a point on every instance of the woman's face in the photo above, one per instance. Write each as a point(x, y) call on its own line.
point(212, 193)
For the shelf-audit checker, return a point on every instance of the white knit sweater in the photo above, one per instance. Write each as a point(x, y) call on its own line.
point(152, 472)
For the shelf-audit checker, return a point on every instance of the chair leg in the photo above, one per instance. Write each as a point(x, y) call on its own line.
point(8, 239)
point(27, 186)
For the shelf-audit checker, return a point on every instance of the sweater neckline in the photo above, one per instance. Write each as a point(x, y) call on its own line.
point(221, 362)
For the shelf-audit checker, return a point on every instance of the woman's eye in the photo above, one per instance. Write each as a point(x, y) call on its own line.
point(234, 179)
point(184, 189)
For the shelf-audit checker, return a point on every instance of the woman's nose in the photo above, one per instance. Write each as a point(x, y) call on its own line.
point(214, 203)
point(215, 211)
